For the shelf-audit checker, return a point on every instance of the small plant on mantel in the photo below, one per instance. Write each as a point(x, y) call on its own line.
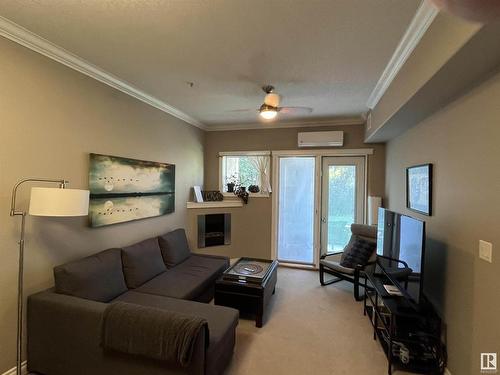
point(242, 193)
point(231, 182)
point(234, 186)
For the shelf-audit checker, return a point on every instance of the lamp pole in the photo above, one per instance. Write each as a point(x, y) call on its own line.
point(20, 296)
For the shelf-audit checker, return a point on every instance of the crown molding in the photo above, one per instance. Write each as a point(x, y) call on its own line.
point(28, 39)
point(340, 121)
point(417, 28)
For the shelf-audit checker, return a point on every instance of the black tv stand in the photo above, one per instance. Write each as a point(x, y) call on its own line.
point(410, 335)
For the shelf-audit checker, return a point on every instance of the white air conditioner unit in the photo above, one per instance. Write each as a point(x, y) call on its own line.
point(321, 139)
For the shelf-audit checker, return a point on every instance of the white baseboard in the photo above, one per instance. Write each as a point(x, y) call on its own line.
point(12, 371)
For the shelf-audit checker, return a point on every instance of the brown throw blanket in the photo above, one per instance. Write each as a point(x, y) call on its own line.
point(151, 332)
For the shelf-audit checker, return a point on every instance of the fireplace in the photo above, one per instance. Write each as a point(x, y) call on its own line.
point(214, 230)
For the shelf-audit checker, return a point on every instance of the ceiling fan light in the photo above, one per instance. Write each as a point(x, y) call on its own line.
point(268, 114)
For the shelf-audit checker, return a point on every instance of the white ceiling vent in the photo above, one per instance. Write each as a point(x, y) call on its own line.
point(321, 139)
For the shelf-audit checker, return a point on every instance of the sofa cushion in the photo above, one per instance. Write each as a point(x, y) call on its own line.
point(98, 277)
point(189, 279)
point(141, 262)
point(222, 322)
point(174, 247)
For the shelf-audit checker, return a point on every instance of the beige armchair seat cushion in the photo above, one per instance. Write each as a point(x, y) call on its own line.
point(333, 262)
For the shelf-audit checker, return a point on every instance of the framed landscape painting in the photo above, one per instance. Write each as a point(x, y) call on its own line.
point(419, 189)
point(123, 189)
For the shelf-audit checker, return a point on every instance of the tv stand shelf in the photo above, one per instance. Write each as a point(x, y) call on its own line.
point(409, 335)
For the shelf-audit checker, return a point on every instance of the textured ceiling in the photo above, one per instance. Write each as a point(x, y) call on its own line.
point(326, 54)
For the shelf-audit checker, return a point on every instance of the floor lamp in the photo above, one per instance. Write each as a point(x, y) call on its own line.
point(54, 202)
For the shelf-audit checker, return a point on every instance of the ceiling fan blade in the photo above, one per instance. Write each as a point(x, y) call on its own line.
point(243, 110)
point(295, 110)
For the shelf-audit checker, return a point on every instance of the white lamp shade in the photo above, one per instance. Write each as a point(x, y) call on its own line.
point(373, 205)
point(272, 99)
point(58, 202)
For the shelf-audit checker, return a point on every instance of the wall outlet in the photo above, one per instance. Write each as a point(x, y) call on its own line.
point(485, 251)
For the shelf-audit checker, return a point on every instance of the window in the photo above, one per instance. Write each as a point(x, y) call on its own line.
point(245, 169)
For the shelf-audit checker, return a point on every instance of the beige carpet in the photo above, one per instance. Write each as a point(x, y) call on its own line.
point(309, 329)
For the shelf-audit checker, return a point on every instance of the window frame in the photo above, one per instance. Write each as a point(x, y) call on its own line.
point(242, 154)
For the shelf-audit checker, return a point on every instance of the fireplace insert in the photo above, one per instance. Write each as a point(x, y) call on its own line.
point(214, 230)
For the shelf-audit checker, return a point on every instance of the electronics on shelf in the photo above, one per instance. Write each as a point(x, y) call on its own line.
point(400, 246)
point(392, 290)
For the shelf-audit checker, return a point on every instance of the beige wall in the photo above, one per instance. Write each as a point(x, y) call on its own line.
point(51, 117)
point(251, 224)
point(462, 141)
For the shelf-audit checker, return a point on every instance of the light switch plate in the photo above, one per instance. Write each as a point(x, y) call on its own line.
point(485, 251)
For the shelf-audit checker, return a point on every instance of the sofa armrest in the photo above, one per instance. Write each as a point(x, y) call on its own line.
point(59, 326)
point(64, 337)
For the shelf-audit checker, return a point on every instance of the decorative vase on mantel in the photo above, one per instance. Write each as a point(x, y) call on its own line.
point(230, 187)
point(254, 189)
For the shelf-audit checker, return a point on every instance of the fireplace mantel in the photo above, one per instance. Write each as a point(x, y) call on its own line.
point(216, 204)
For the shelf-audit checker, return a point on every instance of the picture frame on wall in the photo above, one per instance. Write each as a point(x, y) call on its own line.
point(124, 189)
point(419, 188)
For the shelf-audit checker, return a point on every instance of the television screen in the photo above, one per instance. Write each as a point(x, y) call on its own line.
point(402, 237)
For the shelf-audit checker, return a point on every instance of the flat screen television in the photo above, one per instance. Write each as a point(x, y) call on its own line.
point(402, 237)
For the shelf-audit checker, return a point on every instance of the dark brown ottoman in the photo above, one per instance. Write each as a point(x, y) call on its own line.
point(248, 286)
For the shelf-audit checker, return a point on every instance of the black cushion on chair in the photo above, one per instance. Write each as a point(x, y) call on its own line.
point(358, 251)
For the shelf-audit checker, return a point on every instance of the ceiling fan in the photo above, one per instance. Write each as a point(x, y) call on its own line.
point(271, 106)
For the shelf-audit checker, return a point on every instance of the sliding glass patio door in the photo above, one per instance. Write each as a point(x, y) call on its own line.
point(316, 199)
point(342, 200)
point(296, 210)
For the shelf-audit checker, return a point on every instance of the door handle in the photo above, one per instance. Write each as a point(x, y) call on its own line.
point(323, 220)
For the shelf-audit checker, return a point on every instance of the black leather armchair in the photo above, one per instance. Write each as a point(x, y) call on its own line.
point(330, 263)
